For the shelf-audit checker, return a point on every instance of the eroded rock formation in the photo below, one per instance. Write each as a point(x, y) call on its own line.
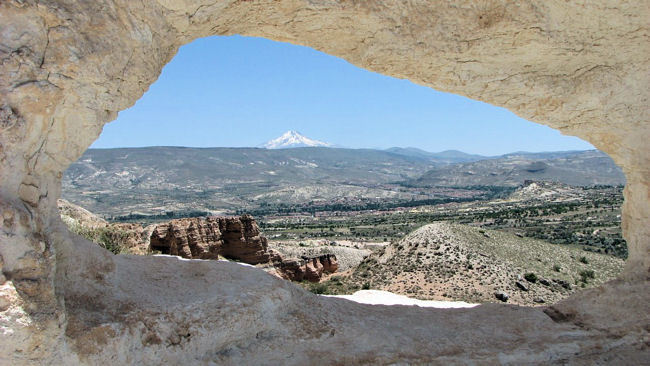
point(69, 67)
point(234, 238)
point(307, 269)
point(207, 238)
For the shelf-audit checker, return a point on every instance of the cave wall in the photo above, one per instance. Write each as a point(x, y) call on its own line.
point(68, 67)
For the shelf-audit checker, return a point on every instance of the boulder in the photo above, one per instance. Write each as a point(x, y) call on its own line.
point(502, 296)
point(545, 282)
point(522, 286)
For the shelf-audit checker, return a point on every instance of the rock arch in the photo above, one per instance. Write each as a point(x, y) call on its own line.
point(69, 67)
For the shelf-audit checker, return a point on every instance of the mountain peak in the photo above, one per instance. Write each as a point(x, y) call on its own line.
point(292, 139)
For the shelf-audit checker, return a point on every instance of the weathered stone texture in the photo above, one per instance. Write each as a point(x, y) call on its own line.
point(206, 238)
point(307, 269)
point(68, 67)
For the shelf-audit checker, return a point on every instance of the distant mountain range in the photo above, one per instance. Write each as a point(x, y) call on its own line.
point(159, 179)
point(579, 168)
point(154, 179)
point(293, 139)
point(443, 157)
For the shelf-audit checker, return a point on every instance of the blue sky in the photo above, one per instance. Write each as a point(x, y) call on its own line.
point(241, 91)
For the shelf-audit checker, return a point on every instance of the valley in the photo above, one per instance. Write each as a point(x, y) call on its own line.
point(169, 182)
point(399, 220)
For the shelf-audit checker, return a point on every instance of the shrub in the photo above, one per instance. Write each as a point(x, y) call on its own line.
point(319, 289)
point(557, 268)
point(108, 238)
point(584, 260)
point(366, 286)
point(530, 277)
point(587, 274)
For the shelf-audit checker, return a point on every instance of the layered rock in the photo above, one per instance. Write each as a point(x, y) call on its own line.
point(234, 238)
point(208, 238)
point(307, 269)
point(188, 238)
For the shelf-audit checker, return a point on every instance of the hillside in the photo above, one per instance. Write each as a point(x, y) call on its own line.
point(192, 181)
point(443, 157)
point(580, 168)
point(155, 179)
point(445, 261)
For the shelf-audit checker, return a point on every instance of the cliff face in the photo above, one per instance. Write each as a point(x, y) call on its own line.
point(234, 238)
point(188, 238)
point(309, 269)
point(206, 238)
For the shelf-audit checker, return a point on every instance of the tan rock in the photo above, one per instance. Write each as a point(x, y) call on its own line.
point(308, 269)
point(69, 67)
point(208, 238)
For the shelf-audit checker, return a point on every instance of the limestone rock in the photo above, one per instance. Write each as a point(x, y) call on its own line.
point(68, 67)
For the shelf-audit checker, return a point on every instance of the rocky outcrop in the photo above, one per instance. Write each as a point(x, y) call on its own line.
point(188, 238)
point(307, 269)
point(194, 238)
point(208, 238)
point(68, 67)
point(234, 238)
point(242, 241)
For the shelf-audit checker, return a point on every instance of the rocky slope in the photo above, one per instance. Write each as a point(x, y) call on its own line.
point(445, 261)
point(235, 238)
point(545, 191)
point(115, 237)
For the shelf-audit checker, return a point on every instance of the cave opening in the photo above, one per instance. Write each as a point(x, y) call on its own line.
point(69, 67)
point(326, 198)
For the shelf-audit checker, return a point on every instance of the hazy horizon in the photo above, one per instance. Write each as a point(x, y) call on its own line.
point(336, 147)
point(241, 92)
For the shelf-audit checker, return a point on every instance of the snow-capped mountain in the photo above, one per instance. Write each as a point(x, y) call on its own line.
point(293, 139)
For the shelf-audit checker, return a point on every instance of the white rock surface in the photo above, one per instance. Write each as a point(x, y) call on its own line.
point(68, 67)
